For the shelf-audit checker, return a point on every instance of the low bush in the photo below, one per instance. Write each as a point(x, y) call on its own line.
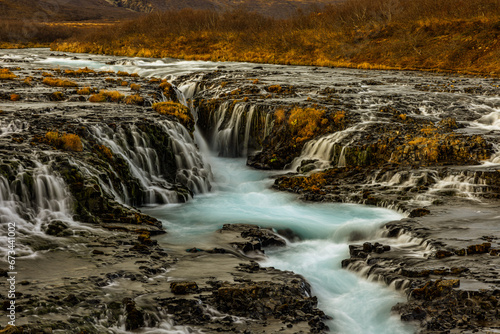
point(56, 82)
point(66, 141)
point(181, 112)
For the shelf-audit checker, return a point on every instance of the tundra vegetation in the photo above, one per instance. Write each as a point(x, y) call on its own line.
point(438, 35)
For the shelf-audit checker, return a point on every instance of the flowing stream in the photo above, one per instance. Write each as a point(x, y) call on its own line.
point(243, 196)
point(239, 194)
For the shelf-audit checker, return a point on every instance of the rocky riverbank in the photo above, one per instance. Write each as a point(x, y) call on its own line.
point(423, 150)
point(82, 150)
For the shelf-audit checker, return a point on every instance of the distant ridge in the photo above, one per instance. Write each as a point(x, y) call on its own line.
point(113, 10)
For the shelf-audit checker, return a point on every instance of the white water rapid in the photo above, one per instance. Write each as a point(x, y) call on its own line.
point(243, 196)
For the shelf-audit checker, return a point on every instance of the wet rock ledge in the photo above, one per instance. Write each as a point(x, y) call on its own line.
point(79, 152)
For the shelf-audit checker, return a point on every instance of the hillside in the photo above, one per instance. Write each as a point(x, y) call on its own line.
point(112, 10)
point(68, 10)
point(447, 35)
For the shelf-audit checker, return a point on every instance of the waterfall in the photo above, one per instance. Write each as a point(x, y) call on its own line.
point(143, 159)
point(12, 127)
point(342, 158)
point(233, 125)
point(193, 172)
point(135, 148)
point(465, 184)
point(35, 198)
point(322, 149)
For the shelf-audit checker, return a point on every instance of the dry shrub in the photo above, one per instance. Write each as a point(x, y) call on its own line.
point(97, 98)
point(274, 89)
point(79, 72)
point(56, 96)
point(135, 87)
point(280, 116)
point(124, 83)
point(122, 74)
point(107, 96)
point(6, 74)
point(105, 151)
point(28, 81)
point(181, 112)
point(15, 97)
point(85, 91)
point(305, 123)
point(47, 74)
point(56, 82)
point(134, 99)
point(66, 141)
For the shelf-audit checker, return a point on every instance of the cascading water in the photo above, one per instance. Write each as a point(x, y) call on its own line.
point(244, 196)
point(12, 127)
point(232, 125)
point(193, 172)
point(35, 198)
point(136, 148)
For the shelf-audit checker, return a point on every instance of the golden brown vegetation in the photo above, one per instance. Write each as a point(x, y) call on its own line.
point(66, 141)
point(56, 82)
point(135, 87)
point(177, 110)
point(305, 123)
point(79, 72)
point(6, 74)
point(85, 91)
point(56, 96)
point(105, 151)
point(134, 99)
point(28, 81)
point(446, 35)
point(15, 97)
point(107, 96)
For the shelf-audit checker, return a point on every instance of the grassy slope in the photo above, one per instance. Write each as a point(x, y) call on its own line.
point(443, 35)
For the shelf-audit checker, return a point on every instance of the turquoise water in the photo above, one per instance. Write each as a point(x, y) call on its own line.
point(243, 195)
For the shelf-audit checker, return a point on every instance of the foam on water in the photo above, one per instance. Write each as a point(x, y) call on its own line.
point(243, 196)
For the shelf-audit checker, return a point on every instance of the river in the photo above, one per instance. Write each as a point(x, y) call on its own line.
point(243, 195)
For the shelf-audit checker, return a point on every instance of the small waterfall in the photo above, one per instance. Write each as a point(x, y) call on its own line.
point(465, 184)
point(234, 124)
point(91, 172)
point(342, 158)
point(490, 121)
point(189, 89)
point(143, 158)
point(12, 127)
point(135, 148)
point(52, 198)
point(34, 199)
point(193, 172)
point(322, 149)
point(248, 127)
